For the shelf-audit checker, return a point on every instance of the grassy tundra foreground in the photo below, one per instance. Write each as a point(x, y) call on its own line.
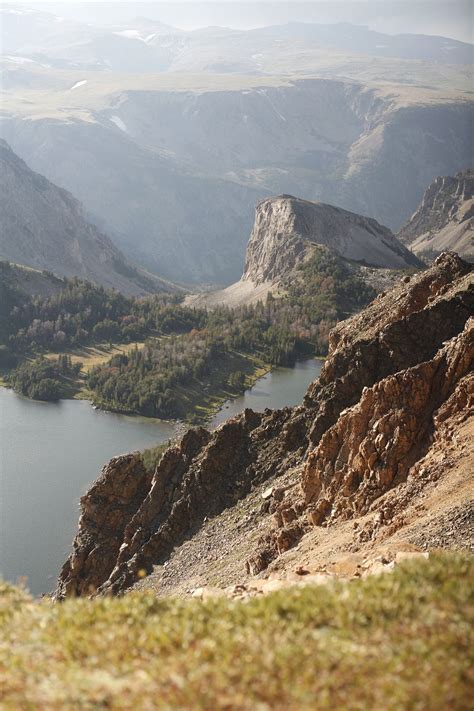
point(400, 640)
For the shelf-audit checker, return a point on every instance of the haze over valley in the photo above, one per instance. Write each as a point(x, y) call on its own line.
point(169, 138)
point(236, 355)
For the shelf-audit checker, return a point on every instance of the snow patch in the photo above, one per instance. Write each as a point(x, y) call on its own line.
point(136, 35)
point(264, 93)
point(119, 123)
point(130, 34)
point(19, 60)
point(78, 84)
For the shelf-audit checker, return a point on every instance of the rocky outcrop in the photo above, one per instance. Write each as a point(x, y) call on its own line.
point(380, 399)
point(375, 444)
point(198, 478)
point(45, 227)
point(396, 331)
point(105, 511)
point(286, 228)
point(444, 220)
point(396, 374)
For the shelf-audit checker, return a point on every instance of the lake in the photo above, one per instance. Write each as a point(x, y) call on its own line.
point(50, 453)
point(280, 387)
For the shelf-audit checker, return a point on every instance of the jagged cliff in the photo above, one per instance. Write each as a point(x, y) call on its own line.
point(398, 379)
point(444, 219)
point(286, 227)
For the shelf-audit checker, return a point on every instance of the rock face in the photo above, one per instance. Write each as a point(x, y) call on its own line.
point(286, 227)
point(44, 227)
point(444, 220)
point(375, 444)
point(105, 511)
point(288, 230)
point(174, 175)
point(398, 375)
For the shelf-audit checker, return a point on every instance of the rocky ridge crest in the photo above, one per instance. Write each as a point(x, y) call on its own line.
point(397, 379)
point(444, 219)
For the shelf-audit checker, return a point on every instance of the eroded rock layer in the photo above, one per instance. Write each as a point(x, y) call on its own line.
point(398, 377)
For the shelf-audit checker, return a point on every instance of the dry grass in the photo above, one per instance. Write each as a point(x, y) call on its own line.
point(396, 641)
point(90, 356)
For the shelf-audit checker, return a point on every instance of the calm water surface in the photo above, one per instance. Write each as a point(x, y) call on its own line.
point(283, 386)
point(49, 455)
point(51, 452)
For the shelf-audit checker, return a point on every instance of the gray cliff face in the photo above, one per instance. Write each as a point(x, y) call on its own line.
point(286, 228)
point(444, 219)
point(173, 176)
point(45, 227)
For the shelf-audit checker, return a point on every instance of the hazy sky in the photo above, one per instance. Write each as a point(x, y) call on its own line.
point(451, 18)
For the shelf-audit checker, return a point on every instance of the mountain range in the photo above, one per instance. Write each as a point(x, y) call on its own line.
point(143, 44)
point(170, 138)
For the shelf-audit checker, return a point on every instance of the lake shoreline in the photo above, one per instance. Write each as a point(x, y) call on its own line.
point(200, 414)
point(196, 401)
point(52, 453)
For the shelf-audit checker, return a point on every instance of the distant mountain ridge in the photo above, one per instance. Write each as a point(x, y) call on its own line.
point(44, 227)
point(143, 44)
point(444, 221)
point(169, 138)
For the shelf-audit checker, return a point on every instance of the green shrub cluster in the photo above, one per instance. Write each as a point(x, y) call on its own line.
point(44, 379)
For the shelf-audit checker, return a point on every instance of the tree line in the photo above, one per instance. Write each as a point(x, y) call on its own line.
point(182, 344)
